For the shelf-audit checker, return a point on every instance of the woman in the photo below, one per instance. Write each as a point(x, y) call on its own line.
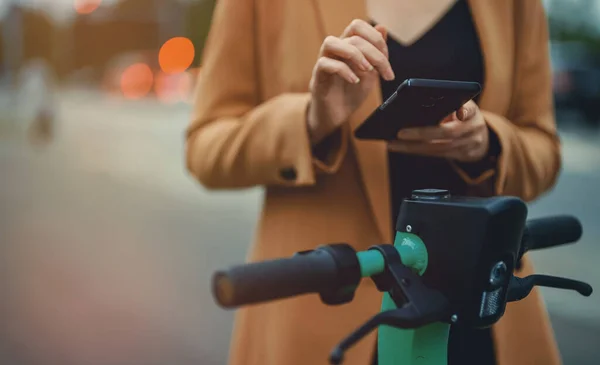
point(283, 85)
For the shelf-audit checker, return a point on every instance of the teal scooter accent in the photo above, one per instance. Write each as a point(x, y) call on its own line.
point(427, 345)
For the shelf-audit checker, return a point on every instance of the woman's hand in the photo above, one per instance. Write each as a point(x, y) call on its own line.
point(462, 136)
point(346, 71)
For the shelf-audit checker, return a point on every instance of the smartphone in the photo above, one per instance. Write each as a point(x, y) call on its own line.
point(416, 103)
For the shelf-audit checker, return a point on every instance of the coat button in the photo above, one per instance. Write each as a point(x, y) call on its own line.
point(288, 173)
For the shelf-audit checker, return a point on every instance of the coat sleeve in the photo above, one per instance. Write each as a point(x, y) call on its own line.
point(237, 140)
point(530, 158)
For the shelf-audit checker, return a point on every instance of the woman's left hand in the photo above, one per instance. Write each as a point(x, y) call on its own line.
point(462, 136)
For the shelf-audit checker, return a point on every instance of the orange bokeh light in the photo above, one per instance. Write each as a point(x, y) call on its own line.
point(86, 6)
point(176, 55)
point(137, 81)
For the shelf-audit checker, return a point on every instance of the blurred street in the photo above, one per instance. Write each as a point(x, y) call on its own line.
point(109, 205)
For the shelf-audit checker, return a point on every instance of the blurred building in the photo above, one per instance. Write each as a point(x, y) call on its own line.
point(90, 33)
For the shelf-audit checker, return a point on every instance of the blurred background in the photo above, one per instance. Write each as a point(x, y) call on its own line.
point(107, 245)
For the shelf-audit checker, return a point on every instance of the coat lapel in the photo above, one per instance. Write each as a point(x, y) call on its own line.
point(335, 15)
point(372, 158)
point(495, 46)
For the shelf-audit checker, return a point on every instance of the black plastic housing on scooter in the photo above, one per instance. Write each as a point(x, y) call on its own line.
point(473, 246)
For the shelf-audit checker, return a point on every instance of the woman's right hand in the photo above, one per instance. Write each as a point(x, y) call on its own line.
point(346, 71)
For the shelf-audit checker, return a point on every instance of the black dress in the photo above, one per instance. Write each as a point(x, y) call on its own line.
point(450, 51)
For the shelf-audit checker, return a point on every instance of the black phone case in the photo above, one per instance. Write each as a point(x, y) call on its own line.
point(416, 103)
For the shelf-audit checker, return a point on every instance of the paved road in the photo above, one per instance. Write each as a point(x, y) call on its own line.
point(110, 244)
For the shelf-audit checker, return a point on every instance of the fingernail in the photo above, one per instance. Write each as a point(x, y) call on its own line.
point(355, 79)
point(390, 75)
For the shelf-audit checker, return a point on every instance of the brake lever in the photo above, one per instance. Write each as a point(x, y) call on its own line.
point(519, 288)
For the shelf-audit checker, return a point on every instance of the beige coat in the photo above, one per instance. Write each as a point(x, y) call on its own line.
point(248, 129)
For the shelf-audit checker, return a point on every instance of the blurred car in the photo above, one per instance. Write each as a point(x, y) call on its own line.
point(576, 80)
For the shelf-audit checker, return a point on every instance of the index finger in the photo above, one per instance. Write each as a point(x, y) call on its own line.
point(365, 30)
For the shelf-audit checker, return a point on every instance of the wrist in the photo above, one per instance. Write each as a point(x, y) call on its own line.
point(315, 126)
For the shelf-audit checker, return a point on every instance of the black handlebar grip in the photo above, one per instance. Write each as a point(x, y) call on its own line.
point(548, 232)
point(310, 272)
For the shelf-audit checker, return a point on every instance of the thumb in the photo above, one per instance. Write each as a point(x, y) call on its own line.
point(465, 112)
